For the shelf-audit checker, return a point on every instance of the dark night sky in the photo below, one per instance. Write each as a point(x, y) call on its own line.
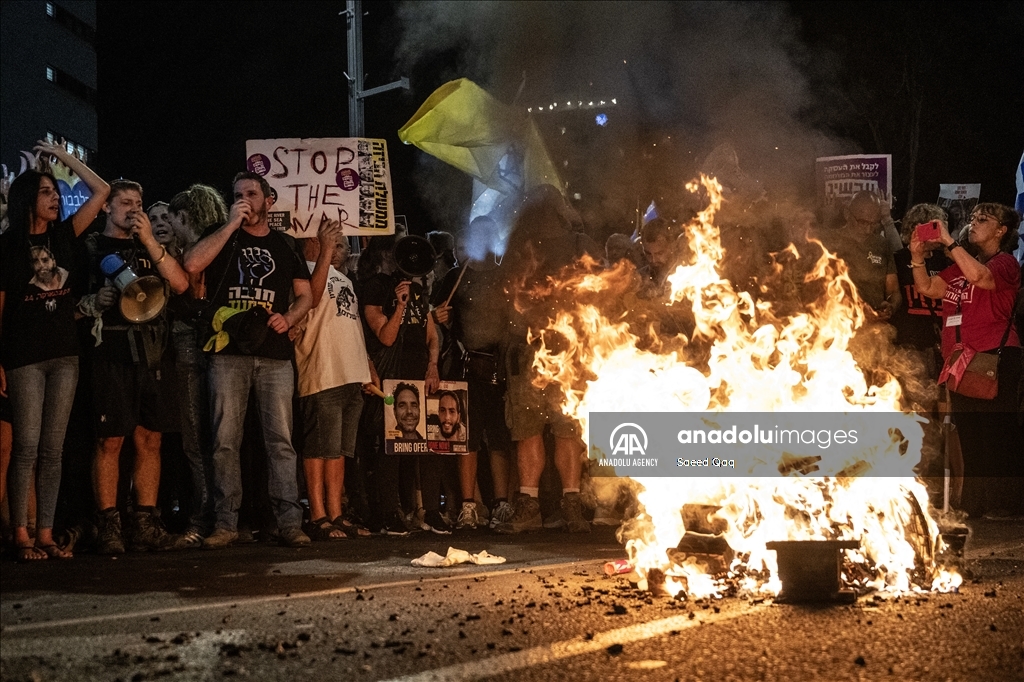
point(182, 86)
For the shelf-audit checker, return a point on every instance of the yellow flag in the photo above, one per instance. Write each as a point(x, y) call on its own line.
point(462, 125)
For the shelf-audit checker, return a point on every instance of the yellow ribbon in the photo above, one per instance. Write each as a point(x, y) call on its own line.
point(220, 339)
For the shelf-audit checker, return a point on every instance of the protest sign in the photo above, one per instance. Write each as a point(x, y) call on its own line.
point(838, 178)
point(448, 418)
point(73, 192)
point(404, 418)
point(959, 201)
point(347, 179)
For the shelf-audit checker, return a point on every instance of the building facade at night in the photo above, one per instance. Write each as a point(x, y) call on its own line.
point(47, 77)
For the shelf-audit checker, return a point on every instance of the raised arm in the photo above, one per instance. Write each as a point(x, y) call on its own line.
point(88, 211)
point(328, 237)
point(387, 328)
point(931, 286)
point(206, 249)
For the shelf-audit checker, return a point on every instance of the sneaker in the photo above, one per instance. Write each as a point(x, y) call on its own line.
point(501, 513)
point(109, 539)
point(468, 517)
point(572, 511)
point(394, 524)
point(190, 539)
point(436, 524)
point(147, 534)
point(525, 517)
point(293, 537)
point(220, 538)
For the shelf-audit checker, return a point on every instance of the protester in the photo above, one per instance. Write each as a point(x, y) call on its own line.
point(131, 368)
point(443, 244)
point(163, 232)
point(403, 344)
point(543, 241)
point(333, 367)
point(194, 211)
point(978, 292)
point(252, 271)
point(39, 279)
point(868, 254)
point(476, 320)
point(189, 214)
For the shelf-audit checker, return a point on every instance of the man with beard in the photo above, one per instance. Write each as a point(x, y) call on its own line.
point(248, 265)
point(407, 412)
point(449, 414)
point(48, 275)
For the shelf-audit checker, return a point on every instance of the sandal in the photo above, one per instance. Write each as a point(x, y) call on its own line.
point(54, 552)
point(351, 529)
point(321, 530)
point(30, 553)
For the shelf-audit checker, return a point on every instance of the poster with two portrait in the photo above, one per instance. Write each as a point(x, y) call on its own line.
point(417, 424)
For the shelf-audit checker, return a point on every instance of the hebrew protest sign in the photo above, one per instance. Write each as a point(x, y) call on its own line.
point(838, 178)
point(347, 179)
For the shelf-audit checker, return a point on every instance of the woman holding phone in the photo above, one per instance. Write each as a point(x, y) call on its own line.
point(978, 292)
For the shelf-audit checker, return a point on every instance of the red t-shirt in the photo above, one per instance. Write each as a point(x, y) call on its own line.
point(985, 312)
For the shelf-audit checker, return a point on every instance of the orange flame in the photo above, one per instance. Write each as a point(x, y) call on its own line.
point(757, 362)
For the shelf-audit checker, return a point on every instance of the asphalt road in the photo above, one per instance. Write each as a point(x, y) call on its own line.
point(358, 610)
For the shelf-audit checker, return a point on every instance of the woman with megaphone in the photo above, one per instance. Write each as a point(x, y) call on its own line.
point(39, 356)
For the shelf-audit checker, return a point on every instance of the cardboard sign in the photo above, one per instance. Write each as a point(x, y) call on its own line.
point(959, 202)
point(448, 418)
point(405, 419)
point(347, 179)
point(838, 178)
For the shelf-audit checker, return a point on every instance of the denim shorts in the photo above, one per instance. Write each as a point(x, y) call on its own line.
point(330, 419)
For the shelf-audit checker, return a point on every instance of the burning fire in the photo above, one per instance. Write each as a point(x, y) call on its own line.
point(743, 356)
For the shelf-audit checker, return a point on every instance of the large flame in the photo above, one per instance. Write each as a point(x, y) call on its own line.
point(750, 360)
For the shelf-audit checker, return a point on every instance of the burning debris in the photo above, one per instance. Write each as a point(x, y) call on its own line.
point(711, 536)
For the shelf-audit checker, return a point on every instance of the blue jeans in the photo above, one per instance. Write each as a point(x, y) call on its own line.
point(231, 378)
point(41, 397)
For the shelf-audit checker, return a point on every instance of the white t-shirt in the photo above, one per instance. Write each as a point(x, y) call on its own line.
point(331, 350)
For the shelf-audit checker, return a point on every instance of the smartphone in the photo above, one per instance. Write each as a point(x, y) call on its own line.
point(927, 232)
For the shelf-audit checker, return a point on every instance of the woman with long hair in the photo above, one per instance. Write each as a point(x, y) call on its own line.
point(39, 357)
point(977, 293)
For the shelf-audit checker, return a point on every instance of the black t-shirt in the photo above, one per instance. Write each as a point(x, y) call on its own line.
point(413, 355)
point(40, 282)
point(116, 346)
point(869, 261)
point(919, 317)
point(252, 271)
point(479, 317)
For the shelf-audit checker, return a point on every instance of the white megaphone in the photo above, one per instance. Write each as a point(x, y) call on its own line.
point(142, 298)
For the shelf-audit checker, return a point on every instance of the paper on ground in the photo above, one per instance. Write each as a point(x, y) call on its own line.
point(456, 556)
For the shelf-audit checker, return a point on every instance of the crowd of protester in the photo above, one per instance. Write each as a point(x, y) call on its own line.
point(184, 376)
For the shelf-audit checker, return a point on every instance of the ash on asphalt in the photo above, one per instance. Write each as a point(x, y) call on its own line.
point(498, 622)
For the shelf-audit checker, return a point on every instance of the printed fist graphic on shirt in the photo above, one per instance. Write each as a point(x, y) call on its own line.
point(254, 265)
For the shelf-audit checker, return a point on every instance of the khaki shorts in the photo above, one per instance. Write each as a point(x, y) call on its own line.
point(528, 408)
